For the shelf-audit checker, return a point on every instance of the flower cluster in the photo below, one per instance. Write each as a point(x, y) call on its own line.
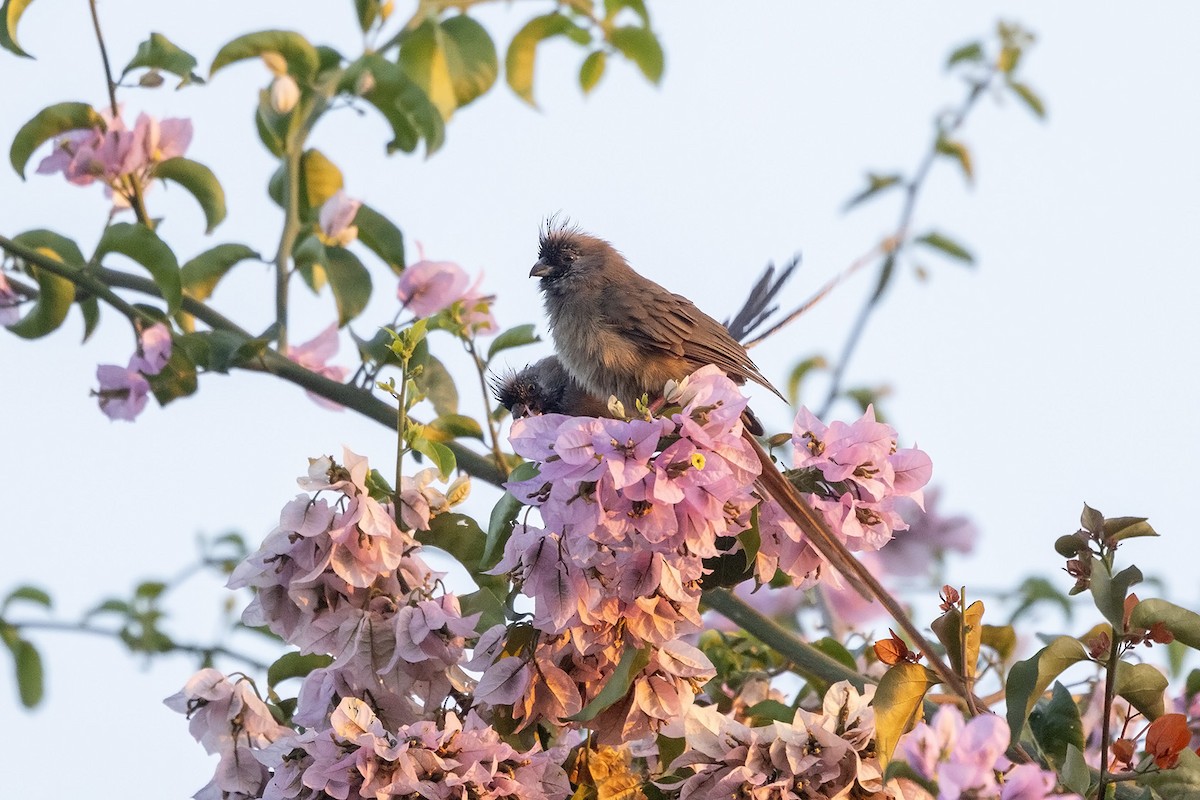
point(228, 718)
point(124, 391)
point(430, 287)
point(857, 478)
point(358, 756)
point(630, 509)
point(340, 577)
point(122, 159)
point(966, 759)
point(819, 754)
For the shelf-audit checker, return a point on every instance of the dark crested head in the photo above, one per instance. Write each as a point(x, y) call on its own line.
point(537, 389)
point(565, 251)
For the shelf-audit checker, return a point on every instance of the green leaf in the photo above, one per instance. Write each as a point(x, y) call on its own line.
point(311, 259)
point(272, 130)
point(320, 178)
point(403, 103)
point(55, 293)
point(442, 457)
point(898, 703)
point(159, 52)
point(614, 7)
point(1108, 592)
point(768, 711)
point(48, 123)
point(522, 50)
point(959, 152)
point(799, 373)
point(301, 57)
point(875, 184)
point(200, 182)
point(504, 514)
point(200, 275)
point(217, 351)
point(946, 246)
point(1056, 725)
point(381, 236)
point(633, 661)
point(453, 426)
point(454, 61)
point(30, 676)
point(592, 70)
point(31, 594)
point(1181, 781)
point(836, 650)
point(487, 604)
point(1118, 529)
point(1028, 679)
point(438, 387)
point(1035, 590)
point(640, 46)
point(513, 337)
point(1076, 775)
point(1184, 624)
point(295, 665)
point(138, 242)
point(972, 51)
point(90, 306)
point(1029, 98)
point(1143, 686)
point(10, 16)
point(1001, 638)
point(350, 281)
point(960, 634)
point(460, 536)
point(368, 12)
point(176, 379)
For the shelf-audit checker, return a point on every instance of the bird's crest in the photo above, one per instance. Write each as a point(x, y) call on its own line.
point(555, 239)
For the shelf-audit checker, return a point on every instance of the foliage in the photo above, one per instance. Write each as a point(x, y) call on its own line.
point(579, 663)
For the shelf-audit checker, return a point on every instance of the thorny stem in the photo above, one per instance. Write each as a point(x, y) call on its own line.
point(480, 369)
point(898, 239)
point(135, 184)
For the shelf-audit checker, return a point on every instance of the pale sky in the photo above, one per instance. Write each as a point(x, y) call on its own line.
point(1054, 372)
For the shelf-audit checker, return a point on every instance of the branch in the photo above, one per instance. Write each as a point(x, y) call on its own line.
point(100, 279)
point(898, 239)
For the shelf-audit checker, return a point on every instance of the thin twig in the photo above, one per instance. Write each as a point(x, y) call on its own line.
point(898, 240)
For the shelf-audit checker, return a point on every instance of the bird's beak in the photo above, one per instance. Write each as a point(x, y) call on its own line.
point(540, 270)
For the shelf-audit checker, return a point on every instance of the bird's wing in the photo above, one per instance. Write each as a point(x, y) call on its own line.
point(660, 321)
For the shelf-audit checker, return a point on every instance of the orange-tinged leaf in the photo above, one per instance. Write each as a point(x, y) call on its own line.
point(1167, 737)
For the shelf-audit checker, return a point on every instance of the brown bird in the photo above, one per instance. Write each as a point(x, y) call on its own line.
point(545, 388)
point(619, 333)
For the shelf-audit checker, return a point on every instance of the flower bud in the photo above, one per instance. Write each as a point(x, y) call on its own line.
point(285, 93)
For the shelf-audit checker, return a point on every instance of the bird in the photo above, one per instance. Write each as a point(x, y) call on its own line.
point(545, 387)
point(619, 333)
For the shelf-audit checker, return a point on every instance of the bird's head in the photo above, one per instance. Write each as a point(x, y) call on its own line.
point(537, 389)
point(566, 255)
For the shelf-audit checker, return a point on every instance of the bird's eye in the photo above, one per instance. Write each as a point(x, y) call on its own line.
point(569, 256)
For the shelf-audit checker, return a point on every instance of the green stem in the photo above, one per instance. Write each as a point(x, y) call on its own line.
point(287, 238)
point(480, 369)
point(204, 651)
point(799, 652)
point(401, 424)
point(1110, 691)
